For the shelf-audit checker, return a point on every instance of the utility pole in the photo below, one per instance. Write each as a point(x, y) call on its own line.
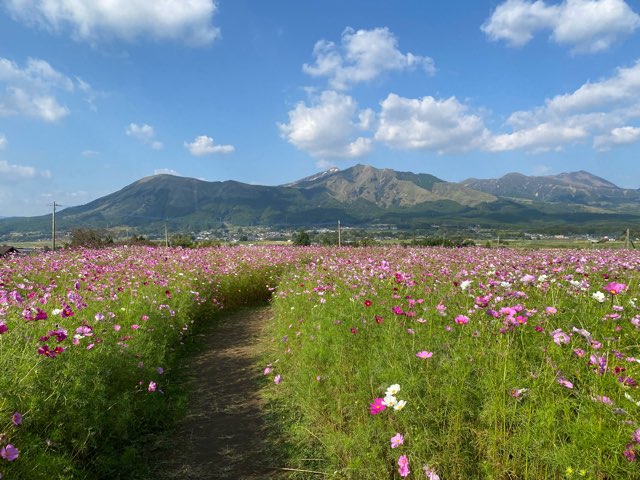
point(626, 239)
point(53, 225)
point(166, 235)
point(339, 235)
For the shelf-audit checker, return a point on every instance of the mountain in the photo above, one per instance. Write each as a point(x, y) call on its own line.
point(358, 196)
point(576, 188)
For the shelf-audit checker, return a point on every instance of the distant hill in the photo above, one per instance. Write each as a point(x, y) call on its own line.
point(579, 188)
point(358, 196)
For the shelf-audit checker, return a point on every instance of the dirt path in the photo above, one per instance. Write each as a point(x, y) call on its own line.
point(223, 436)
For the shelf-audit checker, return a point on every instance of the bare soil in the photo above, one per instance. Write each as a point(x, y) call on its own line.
point(224, 434)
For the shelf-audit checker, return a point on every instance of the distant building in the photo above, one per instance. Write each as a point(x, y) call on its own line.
point(7, 250)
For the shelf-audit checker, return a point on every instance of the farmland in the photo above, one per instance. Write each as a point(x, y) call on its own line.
point(380, 362)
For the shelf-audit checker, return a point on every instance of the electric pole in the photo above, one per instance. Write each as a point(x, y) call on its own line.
point(339, 235)
point(53, 225)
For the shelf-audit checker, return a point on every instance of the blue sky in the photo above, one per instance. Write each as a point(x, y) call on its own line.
point(96, 95)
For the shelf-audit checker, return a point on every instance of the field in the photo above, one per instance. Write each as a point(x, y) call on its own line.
point(381, 362)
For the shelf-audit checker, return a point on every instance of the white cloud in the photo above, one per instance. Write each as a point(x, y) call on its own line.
point(9, 172)
point(3, 141)
point(584, 25)
point(442, 126)
point(30, 90)
point(539, 138)
point(362, 56)
point(145, 134)
point(203, 145)
point(328, 127)
point(93, 21)
point(618, 136)
point(166, 171)
point(90, 153)
point(595, 109)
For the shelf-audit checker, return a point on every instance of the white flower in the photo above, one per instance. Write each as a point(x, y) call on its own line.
point(393, 389)
point(465, 284)
point(598, 296)
point(390, 400)
point(56, 311)
point(400, 405)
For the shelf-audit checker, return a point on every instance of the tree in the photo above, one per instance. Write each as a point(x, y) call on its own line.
point(301, 238)
point(90, 238)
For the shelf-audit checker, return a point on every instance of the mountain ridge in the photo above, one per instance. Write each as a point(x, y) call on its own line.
point(359, 195)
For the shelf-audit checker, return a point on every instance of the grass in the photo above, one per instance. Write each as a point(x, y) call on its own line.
point(498, 399)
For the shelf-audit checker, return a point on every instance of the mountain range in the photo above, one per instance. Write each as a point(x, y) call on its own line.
point(358, 196)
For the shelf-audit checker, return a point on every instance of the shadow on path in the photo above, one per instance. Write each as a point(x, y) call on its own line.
point(223, 435)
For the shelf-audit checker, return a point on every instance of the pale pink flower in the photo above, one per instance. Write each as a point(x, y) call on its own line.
point(278, 379)
point(397, 440)
point(424, 354)
point(403, 464)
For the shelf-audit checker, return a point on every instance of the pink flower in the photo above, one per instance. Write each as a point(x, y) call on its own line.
point(16, 418)
point(9, 453)
point(267, 370)
point(430, 473)
point(397, 440)
point(152, 386)
point(377, 406)
point(602, 399)
point(636, 436)
point(424, 354)
point(615, 288)
point(278, 379)
point(135, 326)
point(629, 453)
point(462, 320)
point(559, 337)
point(551, 310)
point(117, 328)
point(403, 464)
point(564, 382)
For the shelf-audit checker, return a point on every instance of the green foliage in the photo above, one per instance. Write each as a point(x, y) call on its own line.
point(301, 238)
point(90, 238)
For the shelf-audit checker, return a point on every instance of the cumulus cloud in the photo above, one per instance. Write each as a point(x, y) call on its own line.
point(32, 90)
point(587, 26)
point(594, 109)
point(618, 136)
point(203, 145)
point(145, 134)
point(329, 127)
point(9, 172)
point(94, 21)
point(362, 56)
point(442, 126)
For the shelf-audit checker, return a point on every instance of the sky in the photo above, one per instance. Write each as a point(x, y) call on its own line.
point(97, 94)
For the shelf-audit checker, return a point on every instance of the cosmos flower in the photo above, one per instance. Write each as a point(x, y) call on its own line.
point(397, 440)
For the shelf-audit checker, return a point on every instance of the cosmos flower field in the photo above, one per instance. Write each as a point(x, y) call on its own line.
point(380, 362)
point(460, 364)
point(88, 339)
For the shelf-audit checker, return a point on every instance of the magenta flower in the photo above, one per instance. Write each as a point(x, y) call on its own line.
point(3, 328)
point(377, 406)
point(397, 440)
point(9, 453)
point(462, 320)
point(16, 418)
point(403, 466)
point(629, 453)
point(424, 354)
point(84, 330)
point(615, 288)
